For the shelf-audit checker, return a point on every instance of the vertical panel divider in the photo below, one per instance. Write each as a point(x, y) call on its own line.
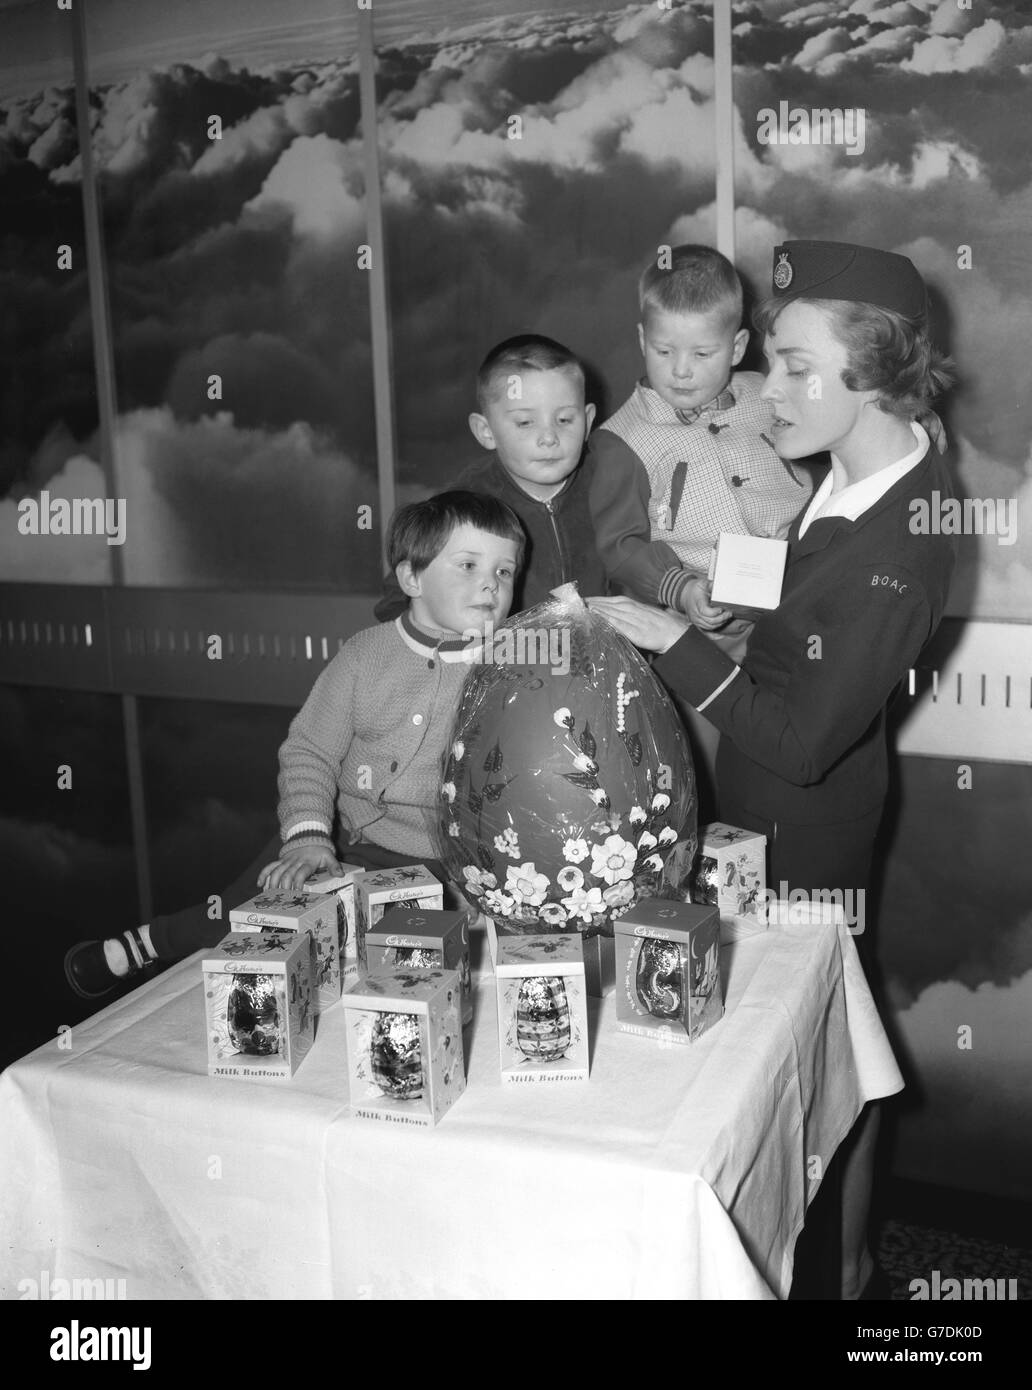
point(104, 368)
point(379, 311)
point(724, 126)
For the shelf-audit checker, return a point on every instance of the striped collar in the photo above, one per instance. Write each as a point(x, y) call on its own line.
point(449, 649)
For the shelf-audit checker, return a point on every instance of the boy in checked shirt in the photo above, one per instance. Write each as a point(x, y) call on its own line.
point(688, 454)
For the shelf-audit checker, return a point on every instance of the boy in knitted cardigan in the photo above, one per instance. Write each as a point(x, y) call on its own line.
point(361, 764)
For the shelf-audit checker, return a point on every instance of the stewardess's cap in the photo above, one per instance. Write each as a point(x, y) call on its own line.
point(839, 270)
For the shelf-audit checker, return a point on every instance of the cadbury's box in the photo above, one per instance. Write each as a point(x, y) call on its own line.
point(403, 1031)
point(599, 954)
point(258, 1004)
point(667, 975)
point(423, 940)
point(730, 870)
point(283, 910)
point(376, 891)
point(542, 1008)
point(343, 884)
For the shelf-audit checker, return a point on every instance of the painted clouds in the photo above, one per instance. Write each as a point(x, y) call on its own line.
point(234, 259)
point(945, 92)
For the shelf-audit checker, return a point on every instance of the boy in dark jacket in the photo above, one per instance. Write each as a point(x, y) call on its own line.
point(532, 416)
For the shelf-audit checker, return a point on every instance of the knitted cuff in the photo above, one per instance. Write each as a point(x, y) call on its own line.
point(673, 587)
point(306, 835)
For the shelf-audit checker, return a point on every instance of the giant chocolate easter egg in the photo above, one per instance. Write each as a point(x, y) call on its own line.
point(568, 779)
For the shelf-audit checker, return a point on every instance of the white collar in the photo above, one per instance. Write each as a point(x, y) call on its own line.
point(859, 497)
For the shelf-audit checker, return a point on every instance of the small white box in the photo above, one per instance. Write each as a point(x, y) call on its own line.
point(281, 910)
point(347, 930)
point(404, 1045)
point(668, 979)
point(542, 1008)
point(405, 940)
point(258, 1004)
point(378, 890)
point(746, 572)
point(731, 870)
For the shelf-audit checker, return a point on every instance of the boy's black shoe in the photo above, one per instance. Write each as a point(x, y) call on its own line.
point(88, 973)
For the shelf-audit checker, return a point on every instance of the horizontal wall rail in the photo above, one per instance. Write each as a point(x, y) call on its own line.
point(185, 644)
point(971, 696)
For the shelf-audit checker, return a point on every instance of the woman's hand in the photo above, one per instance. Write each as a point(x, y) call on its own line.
point(295, 866)
point(653, 629)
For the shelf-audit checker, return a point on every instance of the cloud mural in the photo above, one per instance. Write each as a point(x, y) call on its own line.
point(235, 260)
point(220, 247)
point(940, 180)
point(972, 1129)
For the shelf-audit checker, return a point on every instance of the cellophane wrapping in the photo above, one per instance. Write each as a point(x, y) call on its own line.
point(568, 779)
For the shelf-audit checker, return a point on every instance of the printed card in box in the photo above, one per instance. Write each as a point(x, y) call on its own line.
point(343, 885)
point(542, 1008)
point(259, 1005)
point(404, 1045)
point(412, 886)
point(282, 910)
point(731, 871)
point(437, 940)
point(667, 975)
point(599, 967)
point(746, 573)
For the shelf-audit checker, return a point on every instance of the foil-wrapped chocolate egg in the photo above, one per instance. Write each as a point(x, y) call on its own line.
point(542, 1018)
point(707, 886)
point(253, 1015)
point(418, 957)
point(396, 1056)
point(660, 978)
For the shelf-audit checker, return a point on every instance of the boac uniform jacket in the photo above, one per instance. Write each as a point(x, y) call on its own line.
point(803, 717)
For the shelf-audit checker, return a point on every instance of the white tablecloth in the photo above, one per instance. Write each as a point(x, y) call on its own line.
point(675, 1172)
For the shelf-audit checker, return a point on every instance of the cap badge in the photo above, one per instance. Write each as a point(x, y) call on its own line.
point(783, 272)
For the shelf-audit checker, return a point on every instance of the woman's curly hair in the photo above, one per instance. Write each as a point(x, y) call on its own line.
point(886, 352)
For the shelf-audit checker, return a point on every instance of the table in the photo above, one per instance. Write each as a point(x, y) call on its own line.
point(675, 1172)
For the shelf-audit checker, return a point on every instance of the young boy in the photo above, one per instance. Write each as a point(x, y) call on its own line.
point(532, 416)
point(688, 455)
point(366, 749)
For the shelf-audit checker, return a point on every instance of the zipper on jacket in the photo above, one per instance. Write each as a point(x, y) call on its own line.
point(558, 543)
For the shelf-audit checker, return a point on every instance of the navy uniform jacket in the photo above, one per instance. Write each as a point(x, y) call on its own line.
point(803, 718)
point(560, 537)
